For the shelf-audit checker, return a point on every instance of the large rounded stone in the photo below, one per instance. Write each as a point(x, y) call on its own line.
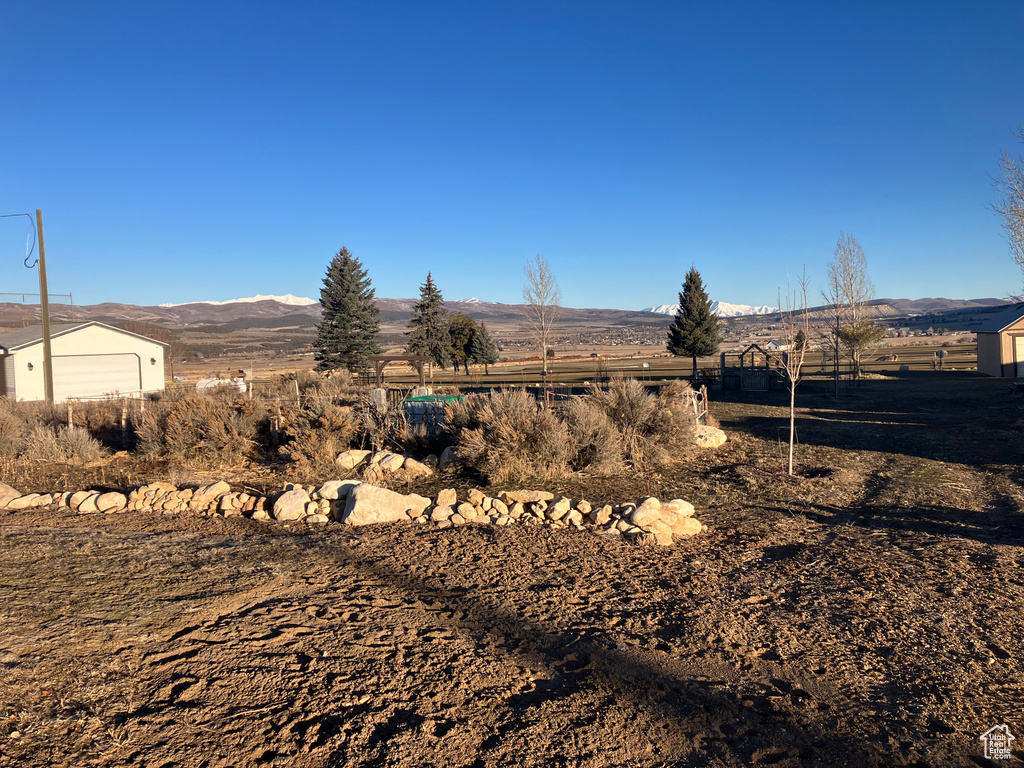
point(440, 513)
point(336, 489)
point(708, 437)
point(686, 526)
point(525, 497)
point(7, 493)
point(28, 501)
point(291, 505)
point(679, 507)
point(369, 504)
point(88, 504)
point(111, 502)
point(392, 462)
point(647, 513)
point(416, 470)
point(351, 459)
point(208, 494)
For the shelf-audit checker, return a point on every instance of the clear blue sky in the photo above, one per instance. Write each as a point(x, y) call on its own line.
point(186, 151)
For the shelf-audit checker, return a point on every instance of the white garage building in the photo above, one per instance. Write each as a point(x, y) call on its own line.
point(89, 360)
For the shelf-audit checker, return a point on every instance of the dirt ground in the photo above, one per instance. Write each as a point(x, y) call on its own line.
point(865, 613)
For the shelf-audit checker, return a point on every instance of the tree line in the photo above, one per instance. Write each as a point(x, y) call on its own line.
point(349, 332)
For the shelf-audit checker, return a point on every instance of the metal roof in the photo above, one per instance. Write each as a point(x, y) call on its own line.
point(33, 334)
point(1002, 320)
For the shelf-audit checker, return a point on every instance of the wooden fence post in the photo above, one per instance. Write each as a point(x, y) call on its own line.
point(275, 423)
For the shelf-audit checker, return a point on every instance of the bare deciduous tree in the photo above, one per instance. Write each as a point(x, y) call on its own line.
point(796, 327)
point(542, 300)
point(1011, 207)
point(849, 292)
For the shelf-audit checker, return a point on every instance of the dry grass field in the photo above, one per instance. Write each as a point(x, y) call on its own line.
point(578, 365)
point(866, 612)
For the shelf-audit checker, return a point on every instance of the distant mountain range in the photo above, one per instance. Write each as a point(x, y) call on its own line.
point(720, 308)
point(292, 312)
point(287, 299)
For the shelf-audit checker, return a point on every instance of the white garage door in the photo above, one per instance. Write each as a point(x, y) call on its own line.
point(1018, 352)
point(95, 375)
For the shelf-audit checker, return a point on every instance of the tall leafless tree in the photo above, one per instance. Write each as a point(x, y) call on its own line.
point(1011, 207)
point(849, 292)
point(542, 304)
point(796, 327)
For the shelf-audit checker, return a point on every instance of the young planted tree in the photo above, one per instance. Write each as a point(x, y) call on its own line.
point(1011, 207)
point(695, 332)
point(542, 304)
point(849, 292)
point(796, 325)
point(463, 331)
point(350, 329)
point(430, 336)
point(484, 350)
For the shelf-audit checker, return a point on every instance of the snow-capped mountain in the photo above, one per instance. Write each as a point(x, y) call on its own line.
point(720, 308)
point(471, 300)
point(295, 301)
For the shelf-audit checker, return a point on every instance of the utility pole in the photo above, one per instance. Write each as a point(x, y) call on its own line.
point(44, 305)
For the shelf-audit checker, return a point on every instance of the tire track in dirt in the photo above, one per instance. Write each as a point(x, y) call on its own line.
point(364, 661)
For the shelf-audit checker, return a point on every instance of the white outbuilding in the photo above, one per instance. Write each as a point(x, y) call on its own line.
point(1001, 343)
point(90, 360)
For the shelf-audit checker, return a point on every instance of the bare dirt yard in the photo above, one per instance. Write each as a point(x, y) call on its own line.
point(867, 612)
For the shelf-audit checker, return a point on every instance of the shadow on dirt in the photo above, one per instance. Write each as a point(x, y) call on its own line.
point(1001, 525)
point(954, 417)
point(740, 723)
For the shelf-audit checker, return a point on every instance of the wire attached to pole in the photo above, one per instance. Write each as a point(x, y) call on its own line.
point(32, 232)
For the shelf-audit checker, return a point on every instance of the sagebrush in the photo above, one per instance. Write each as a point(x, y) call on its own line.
point(508, 436)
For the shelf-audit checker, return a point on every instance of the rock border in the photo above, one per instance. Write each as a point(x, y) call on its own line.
point(353, 502)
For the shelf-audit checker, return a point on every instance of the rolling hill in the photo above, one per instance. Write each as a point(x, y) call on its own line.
point(299, 317)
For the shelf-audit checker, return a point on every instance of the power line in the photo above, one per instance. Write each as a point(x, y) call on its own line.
point(32, 229)
point(24, 294)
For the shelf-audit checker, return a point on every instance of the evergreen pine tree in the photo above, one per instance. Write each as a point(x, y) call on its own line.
point(695, 330)
point(484, 350)
point(350, 330)
point(462, 329)
point(430, 336)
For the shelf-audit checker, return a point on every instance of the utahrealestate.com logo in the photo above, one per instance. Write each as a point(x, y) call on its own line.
point(997, 740)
